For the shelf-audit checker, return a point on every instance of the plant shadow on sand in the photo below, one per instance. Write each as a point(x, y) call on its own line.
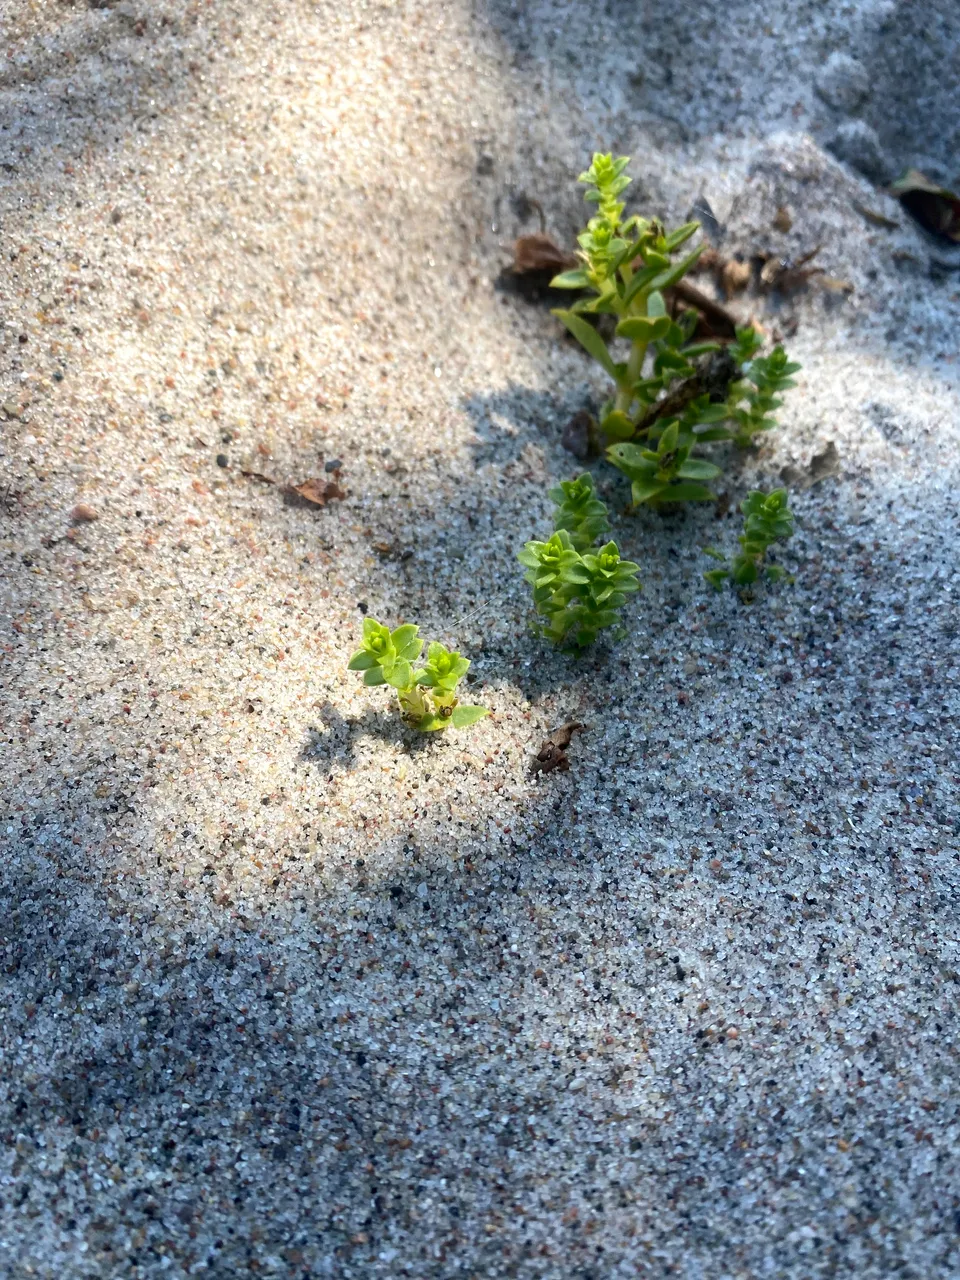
point(338, 738)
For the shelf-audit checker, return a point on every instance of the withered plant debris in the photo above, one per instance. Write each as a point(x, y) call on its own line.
point(876, 217)
point(721, 322)
point(935, 208)
point(770, 272)
point(317, 492)
point(822, 466)
point(553, 754)
point(786, 275)
point(540, 254)
point(9, 498)
point(735, 276)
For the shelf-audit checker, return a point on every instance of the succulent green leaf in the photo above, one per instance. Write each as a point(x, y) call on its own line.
point(707, 435)
point(640, 281)
point(401, 675)
point(590, 340)
point(631, 460)
point(361, 661)
point(685, 492)
point(463, 717)
point(643, 329)
point(669, 439)
point(656, 306)
point(575, 279)
point(666, 279)
point(616, 425)
point(695, 349)
point(406, 642)
point(697, 469)
point(682, 234)
point(646, 490)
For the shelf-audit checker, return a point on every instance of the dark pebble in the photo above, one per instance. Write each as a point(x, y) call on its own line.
point(222, 460)
point(333, 465)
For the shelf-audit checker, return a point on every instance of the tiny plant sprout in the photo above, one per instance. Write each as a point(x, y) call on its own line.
point(579, 511)
point(427, 697)
point(768, 520)
point(577, 593)
point(666, 402)
point(754, 399)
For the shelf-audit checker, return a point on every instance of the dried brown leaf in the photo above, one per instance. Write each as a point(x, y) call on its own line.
point(722, 323)
point(319, 492)
point(553, 753)
point(787, 276)
point(540, 252)
point(735, 276)
point(935, 208)
point(878, 219)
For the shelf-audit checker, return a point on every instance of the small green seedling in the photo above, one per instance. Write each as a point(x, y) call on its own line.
point(577, 593)
point(768, 520)
point(752, 406)
point(579, 511)
point(427, 697)
point(627, 265)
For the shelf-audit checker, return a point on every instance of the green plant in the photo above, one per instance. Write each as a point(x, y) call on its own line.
point(768, 520)
point(577, 593)
point(751, 406)
point(627, 265)
point(427, 698)
point(579, 511)
point(666, 473)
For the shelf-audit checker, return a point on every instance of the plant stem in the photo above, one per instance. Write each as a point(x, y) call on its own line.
point(634, 368)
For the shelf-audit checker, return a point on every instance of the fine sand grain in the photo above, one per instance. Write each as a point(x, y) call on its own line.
point(288, 992)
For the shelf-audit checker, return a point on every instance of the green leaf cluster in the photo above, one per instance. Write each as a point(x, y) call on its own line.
point(577, 593)
point(756, 397)
point(768, 520)
point(666, 473)
point(427, 697)
point(579, 511)
point(626, 266)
